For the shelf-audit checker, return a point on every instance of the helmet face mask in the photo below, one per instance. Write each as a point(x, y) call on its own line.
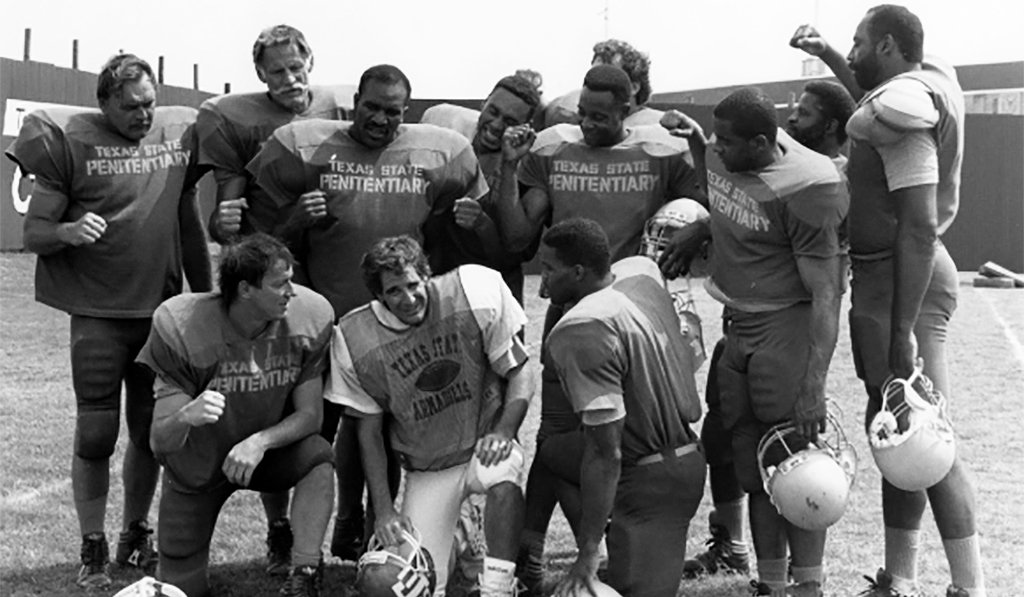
point(911, 437)
point(150, 587)
point(405, 570)
point(662, 226)
point(810, 485)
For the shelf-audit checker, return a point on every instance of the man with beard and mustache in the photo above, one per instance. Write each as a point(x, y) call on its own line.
point(231, 130)
point(510, 106)
point(114, 220)
point(239, 393)
point(602, 170)
point(819, 119)
point(349, 184)
point(776, 207)
point(904, 174)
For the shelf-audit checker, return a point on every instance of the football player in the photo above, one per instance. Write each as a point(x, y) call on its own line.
point(564, 109)
point(511, 105)
point(906, 150)
point(776, 208)
point(628, 371)
point(239, 392)
point(114, 220)
point(442, 356)
point(600, 169)
point(348, 184)
point(231, 129)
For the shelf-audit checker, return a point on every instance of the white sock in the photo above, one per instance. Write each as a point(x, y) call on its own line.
point(497, 572)
point(964, 557)
point(901, 547)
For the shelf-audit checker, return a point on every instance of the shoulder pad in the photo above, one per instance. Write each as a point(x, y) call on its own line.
point(557, 135)
point(905, 104)
point(457, 118)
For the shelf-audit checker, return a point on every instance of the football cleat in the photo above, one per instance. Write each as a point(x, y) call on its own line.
point(347, 538)
point(881, 586)
point(279, 547)
point(911, 437)
point(810, 486)
point(302, 581)
point(150, 587)
point(403, 570)
point(719, 557)
point(135, 547)
point(95, 560)
point(662, 226)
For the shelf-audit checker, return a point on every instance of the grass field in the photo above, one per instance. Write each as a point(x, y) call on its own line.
point(38, 530)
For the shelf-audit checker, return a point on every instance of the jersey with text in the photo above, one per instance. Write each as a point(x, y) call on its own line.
point(371, 193)
point(194, 347)
point(761, 220)
point(872, 221)
point(441, 380)
point(620, 350)
point(83, 165)
point(231, 130)
point(620, 187)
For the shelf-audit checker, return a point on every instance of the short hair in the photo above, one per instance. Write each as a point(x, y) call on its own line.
point(580, 241)
point(280, 35)
point(532, 76)
point(248, 260)
point(393, 254)
point(836, 104)
point(902, 25)
point(118, 71)
point(605, 77)
point(750, 112)
point(387, 74)
point(522, 88)
point(636, 64)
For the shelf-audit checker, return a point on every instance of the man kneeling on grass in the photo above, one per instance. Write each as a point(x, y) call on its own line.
point(238, 405)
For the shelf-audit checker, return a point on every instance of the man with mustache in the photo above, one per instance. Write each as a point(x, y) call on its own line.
point(113, 207)
point(239, 392)
point(231, 130)
point(904, 172)
point(349, 184)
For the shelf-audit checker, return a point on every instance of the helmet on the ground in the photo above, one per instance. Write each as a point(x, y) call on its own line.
point(911, 437)
point(670, 218)
point(403, 570)
point(809, 485)
point(150, 587)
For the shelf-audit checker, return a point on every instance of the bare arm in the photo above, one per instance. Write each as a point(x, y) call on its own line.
point(176, 413)
point(496, 445)
point(822, 277)
point(226, 218)
point(809, 40)
point(519, 218)
point(390, 523)
point(194, 250)
point(916, 234)
point(46, 234)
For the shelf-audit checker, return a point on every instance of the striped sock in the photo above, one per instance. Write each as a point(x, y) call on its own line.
point(773, 573)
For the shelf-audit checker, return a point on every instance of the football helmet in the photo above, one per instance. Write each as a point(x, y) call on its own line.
point(671, 217)
point(809, 486)
point(148, 586)
point(911, 437)
point(403, 570)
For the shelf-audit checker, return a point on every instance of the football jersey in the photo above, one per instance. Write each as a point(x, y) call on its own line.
point(620, 187)
point(441, 380)
point(194, 347)
point(619, 350)
point(563, 110)
point(232, 128)
point(762, 219)
point(872, 221)
point(136, 186)
point(371, 193)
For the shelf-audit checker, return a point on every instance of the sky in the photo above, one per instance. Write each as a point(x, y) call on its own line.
point(459, 48)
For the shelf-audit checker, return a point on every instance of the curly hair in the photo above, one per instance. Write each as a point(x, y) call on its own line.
point(636, 64)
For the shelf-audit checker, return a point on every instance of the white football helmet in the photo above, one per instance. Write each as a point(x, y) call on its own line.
point(911, 437)
point(404, 570)
point(150, 587)
point(671, 217)
point(810, 487)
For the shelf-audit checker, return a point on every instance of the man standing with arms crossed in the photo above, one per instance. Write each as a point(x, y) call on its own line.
point(348, 185)
point(231, 130)
point(602, 170)
point(904, 172)
point(113, 208)
point(776, 208)
point(443, 356)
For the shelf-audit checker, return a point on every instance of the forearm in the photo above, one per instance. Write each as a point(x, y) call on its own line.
point(299, 424)
point(824, 333)
point(698, 149)
point(229, 186)
point(513, 222)
point(371, 447)
point(194, 250)
point(45, 237)
point(518, 393)
point(836, 62)
point(912, 271)
point(599, 478)
point(170, 427)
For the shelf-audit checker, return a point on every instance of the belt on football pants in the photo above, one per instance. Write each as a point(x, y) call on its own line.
point(668, 454)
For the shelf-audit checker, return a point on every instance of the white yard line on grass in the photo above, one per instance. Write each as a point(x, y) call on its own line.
point(1011, 337)
point(27, 496)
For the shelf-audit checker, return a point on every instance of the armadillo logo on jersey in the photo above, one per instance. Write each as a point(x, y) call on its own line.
point(590, 177)
point(276, 369)
point(734, 203)
point(114, 160)
point(374, 178)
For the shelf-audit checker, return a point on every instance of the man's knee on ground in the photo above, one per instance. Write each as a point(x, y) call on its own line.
point(96, 434)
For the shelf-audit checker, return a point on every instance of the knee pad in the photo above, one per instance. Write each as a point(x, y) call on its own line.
point(96, 434)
